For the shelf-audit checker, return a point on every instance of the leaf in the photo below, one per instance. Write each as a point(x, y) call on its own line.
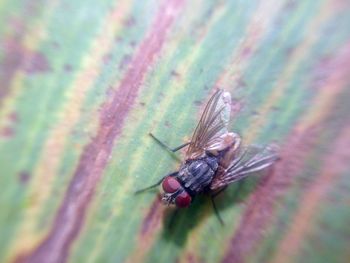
point(84, 82)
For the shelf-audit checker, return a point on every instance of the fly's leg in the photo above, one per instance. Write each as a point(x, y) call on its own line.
point(166, 146)
point(216, 211)
point(212, 197)
point(149, 187)
point(154, 185)
point(172, 174)
point(215, 194)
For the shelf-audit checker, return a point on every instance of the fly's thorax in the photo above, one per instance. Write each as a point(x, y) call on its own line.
point(196, 175)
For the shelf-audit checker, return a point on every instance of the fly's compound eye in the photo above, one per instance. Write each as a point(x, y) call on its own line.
point(170, 185)
point(183, 200)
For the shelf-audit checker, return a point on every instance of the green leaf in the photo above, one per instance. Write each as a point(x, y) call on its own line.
point(84, 82)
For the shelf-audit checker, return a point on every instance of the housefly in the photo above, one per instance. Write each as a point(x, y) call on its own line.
point(214, 158)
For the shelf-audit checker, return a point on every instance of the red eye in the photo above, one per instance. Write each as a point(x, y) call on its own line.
point(170, 184)
point(183, 200)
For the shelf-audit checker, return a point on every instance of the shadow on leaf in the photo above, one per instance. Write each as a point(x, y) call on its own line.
point(179, 222)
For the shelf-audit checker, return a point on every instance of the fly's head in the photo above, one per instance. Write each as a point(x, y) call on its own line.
point(174, 193)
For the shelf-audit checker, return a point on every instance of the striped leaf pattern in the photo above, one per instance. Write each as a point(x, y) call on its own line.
point(82, 83)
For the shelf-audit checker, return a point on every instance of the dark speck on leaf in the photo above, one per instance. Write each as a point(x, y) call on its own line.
point(67, 68)
point(130, 22)
point(118, 39)
point(241, 83)
point(24, 177)
point(197, 103)
point(55, 45)
point(110, 91)
point(107, 57)
point(291, 5)
point(174, 74)
point(125, 62)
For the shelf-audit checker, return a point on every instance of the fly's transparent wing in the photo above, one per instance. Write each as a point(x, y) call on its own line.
point(250, 159)
point(212, 125)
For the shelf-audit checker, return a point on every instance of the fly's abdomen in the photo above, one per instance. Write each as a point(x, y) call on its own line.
point(196, 175)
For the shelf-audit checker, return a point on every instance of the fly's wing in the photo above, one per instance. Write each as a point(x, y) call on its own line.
point(212, 126)
point(251, 159)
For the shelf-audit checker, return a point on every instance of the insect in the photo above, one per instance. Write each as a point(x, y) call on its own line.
point(214, 158)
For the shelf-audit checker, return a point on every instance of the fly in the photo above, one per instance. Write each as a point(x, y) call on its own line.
point(214, 158)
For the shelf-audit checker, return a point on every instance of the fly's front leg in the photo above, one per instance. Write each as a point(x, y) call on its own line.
point(155, 184)
point(166, 146)
point(172, 174)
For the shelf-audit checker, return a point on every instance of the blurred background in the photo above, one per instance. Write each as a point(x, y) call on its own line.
point(82, 83)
